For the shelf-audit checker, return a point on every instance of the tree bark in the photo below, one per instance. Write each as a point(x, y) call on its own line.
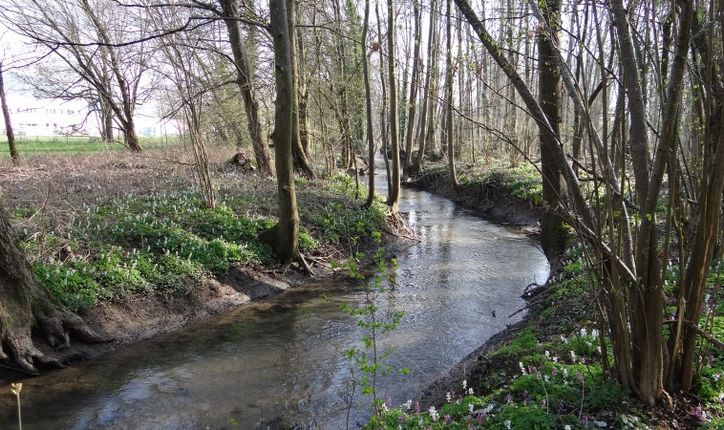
point(25, 305)
point(14, 155)
point(393, 200)
point(412, 107)
point(549, 88)
point(368, 110)
point(449, 97)
point(287, 229)
point(246, 87)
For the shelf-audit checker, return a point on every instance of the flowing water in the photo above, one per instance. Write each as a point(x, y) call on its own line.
point(280, 362)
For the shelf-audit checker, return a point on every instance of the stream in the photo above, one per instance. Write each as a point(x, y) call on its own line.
point(279, 363)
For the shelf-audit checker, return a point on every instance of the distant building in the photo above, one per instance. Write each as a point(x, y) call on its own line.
point(32, 117)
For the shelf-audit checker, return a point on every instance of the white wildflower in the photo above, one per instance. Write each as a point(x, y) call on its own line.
point(448, 396)
point(522, 368)
point(567, 427)
point(384, 407)
point(584, 332)
point(594, 333)
point(573, 356)
point(548, 354)
point(508, 424)
point(465, 384)
point(433, 413)
point(470, 391)
point(471, 408)
point(407, 405)
point(546, 378)
point(565, 373)
point(488, 409)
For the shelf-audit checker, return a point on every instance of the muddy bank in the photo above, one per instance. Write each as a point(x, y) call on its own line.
point(143, 317)
point(489, 199)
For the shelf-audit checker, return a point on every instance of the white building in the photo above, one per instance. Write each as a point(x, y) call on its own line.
point(32, 117)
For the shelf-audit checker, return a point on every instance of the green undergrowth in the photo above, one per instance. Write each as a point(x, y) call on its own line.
point(549, 374)
point(522, 181)
point(166, 242)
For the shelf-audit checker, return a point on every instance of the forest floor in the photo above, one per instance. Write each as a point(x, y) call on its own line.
point(126, 241)
point(546, 371)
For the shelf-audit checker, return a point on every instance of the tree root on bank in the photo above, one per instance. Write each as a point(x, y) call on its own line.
point(56, 327)
point(400, 228)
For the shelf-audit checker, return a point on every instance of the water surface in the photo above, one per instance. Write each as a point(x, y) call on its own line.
point(280, 363)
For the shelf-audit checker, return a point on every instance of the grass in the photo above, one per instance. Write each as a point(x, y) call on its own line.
point(68, 145)
point(128, 226)
point(523, 181)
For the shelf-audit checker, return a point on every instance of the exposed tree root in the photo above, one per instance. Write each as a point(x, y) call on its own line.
point(398, 227)
point(18, 349)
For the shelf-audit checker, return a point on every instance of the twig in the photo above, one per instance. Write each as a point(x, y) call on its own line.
point(718, 343)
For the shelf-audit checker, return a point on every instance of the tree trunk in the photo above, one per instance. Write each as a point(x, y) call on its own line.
point(368, 111)
point(393, 200)
point(300, 159)
point(549, 88)
point(248, 94)
point(412, 107)
point(8, 123)
point(106, 122)
point(449, 97)
point(426, 93)
point(383, 110)
point(130, 135)
point(25, 305)
point(287, 229)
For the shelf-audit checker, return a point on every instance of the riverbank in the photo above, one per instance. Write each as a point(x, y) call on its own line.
point(545, 371)
point(505, 196)
point(126, 242)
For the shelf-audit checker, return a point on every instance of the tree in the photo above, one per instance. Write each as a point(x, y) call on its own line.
point(414, 83)
point(230, 12)
point(285, 234)
point(631, 279)
point(26, 306)
point(368, 110)
point(299, 154)
point(449, 72)
point(6, 118)
point(393, 200)
point(549, 83)
point(88, 37)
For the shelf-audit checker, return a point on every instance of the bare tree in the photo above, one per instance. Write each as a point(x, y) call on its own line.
point(85, 34)
point(7, 120)
point(393, 200)
point(285, 234)
point(230, 12)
